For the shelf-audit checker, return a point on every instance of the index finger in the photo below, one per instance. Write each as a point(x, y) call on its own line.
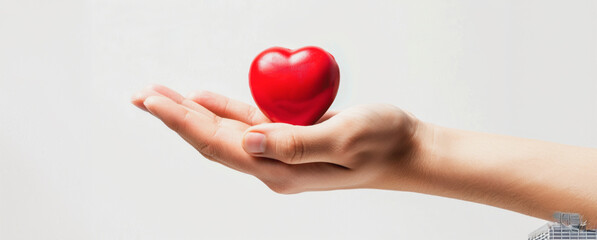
point(229, 108)
point(216, 137)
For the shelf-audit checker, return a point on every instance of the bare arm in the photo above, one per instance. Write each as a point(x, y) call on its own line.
point(532, 177)
point(383, 147)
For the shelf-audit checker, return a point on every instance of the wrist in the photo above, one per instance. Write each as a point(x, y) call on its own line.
point(425, 168)
point(440, 164)
point(411, 170)
point(446, 166)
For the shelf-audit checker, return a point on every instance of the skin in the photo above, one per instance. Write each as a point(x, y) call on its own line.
point(382, 147)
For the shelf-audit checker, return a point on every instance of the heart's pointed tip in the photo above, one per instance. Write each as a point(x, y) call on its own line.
point(297, 121)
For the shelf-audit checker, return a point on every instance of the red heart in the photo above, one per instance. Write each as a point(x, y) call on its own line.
point(295, 87)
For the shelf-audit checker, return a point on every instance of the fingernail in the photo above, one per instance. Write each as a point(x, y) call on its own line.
point(255, 142)
point(150, 101)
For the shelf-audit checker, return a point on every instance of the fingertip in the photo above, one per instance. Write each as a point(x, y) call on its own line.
point(139, 97)
point(135, 96)
point(152, 102)
point(137, 100)
point(194, 94)
point(254, 140)
point(254, 143)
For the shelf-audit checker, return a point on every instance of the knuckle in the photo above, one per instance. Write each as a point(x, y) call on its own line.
point(282, 187)
point(184, 127)
point(282, 180)
point(226, 105)
point(347, 141)
point(206, 150)
point(251, 116)
point(196, 95)
point(184, 123)
point(351, 146)
point(207, 156)
point(294, 148)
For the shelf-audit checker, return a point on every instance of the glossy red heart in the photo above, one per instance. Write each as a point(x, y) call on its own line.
point(294, 86)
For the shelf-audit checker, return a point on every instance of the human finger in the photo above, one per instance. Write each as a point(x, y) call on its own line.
point(229, 108)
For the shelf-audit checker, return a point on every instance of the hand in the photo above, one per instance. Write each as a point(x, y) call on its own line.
point(380, 146)
point(369, 146)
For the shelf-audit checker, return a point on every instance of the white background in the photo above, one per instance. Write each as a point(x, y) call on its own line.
point(78, 161)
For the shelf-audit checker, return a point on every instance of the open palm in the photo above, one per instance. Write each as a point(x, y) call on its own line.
point(317, 157)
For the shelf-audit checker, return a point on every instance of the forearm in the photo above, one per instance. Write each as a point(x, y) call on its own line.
point(528, 176)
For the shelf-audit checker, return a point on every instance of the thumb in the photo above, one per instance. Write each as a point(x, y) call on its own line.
point(289, 143)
